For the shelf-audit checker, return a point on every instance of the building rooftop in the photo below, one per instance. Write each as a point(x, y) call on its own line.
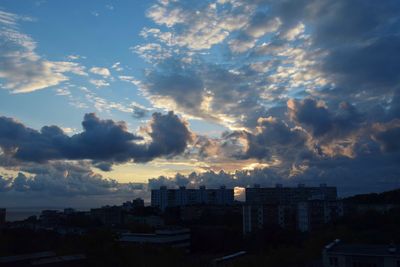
point(364, 249)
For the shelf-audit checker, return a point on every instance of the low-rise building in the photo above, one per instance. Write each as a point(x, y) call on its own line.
point(176, 238)
point(339, 254)
point(150, 220)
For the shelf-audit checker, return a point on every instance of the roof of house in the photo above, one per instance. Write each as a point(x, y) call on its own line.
point(364, 249)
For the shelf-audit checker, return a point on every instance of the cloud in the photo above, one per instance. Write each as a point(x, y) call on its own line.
point(316, 117)
point(117, 66)
point(99, 83)
point(207, 91)
point(193, 19)
point(100, 71)
point(169, 135)
point(139, 111)
point(22, 69)
point(59, 183)
point(388, 135)
point(260, 25)
point(274, 138)
point(101, 140)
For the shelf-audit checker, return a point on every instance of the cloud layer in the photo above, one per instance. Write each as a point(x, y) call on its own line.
point(101, 140)
point(308, 89)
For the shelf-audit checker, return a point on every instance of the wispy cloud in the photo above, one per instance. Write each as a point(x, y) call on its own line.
point(21, 67)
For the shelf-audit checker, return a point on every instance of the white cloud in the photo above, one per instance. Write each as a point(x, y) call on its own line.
point(129, 79)
point(117, 66)
point(99, 83)
point(75, 57)
point(69, 130)
point(63, 91)
point(100, 71)
point(294, 32)
point(22, 69)
point(202, 26)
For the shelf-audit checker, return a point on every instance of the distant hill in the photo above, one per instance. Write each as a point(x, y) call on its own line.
point(388, 197)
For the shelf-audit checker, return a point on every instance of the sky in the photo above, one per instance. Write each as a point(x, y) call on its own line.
point(101, 101)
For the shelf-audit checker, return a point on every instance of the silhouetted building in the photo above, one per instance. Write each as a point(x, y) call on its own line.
point(177, 238)
point(338, 254)
point(3, 213)
point(258, 216)
point(204, 212)
point(108, 215)
point(164, 198)
point(312, 214)
point(135, 204)
point(50, 218)
point(288, 195)
point(138, 203)
point(302, 208)
point(69, 211)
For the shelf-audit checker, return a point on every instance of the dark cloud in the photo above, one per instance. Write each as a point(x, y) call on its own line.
point(59, 182)
point(389, 138)
point(179, 83)
point(5, 183)
point(139, 112)
point(208, 91)
point(169, 135)
point(358, 40)
point(274, 138)
point(371, 66)
point(321, 122)
point(104, 166)
point(101, 140)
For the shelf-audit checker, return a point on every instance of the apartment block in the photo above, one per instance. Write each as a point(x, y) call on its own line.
point(302, 208)
point(164, 198)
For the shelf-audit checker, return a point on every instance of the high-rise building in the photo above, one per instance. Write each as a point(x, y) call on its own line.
point(164, 198)
point(288, 195)
point(303, 208)
point(258, 216)
point(313, 214)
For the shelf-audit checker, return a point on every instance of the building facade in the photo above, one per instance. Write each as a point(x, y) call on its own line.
point(312, 214)
point(288, 195)
point(164, 198)
point(302, 208)
point(338, 254)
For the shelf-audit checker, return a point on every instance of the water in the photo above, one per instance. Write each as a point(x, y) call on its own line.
point(21, 213)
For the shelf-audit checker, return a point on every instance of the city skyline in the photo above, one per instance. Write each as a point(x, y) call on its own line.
point(104, 100)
